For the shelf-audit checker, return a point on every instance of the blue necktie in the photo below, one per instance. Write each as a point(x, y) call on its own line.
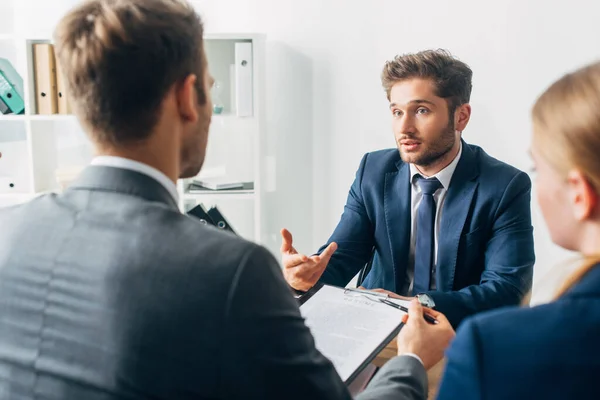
point(425, 235)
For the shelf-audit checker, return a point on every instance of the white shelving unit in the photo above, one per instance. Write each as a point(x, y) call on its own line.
point(235, 142)
point(47, 143)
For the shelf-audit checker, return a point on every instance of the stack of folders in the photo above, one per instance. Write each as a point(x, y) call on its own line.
point(216, 184)
point(211, 217)
point(50, 91)
point(11, 89)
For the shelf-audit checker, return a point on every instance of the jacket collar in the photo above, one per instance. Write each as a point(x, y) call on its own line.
point(119, 180)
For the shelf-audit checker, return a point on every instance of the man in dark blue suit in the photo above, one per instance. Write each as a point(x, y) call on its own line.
point(441, 219)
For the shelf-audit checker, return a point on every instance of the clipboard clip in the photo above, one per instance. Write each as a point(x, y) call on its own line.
point(354, 292)
point(384, 298)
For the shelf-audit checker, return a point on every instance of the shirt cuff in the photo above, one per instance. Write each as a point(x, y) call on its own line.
point(413, 355)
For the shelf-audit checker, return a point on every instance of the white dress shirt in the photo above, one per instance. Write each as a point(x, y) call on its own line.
point(444, 176)
point(125, 163)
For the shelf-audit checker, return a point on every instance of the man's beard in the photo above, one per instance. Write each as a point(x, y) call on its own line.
point(192, 155)
point(435, 150)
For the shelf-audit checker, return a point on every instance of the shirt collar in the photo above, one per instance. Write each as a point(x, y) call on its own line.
point(445, 175)
point(126, 163)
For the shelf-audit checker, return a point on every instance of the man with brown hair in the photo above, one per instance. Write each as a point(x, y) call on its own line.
point(437, 218)
point(108, 292)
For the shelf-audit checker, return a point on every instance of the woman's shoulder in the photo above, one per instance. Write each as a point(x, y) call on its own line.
point(569, 318)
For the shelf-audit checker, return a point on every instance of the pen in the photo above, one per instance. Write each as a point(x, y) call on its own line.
point(382, 297)
point(427, 317)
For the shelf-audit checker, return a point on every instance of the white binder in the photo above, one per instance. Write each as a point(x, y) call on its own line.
point(14, 167)
point(243, 79)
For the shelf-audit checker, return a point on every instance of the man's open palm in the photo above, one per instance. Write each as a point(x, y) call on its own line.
point(300, 271)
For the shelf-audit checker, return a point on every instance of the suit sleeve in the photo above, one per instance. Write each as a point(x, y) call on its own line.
point(401, 378)
point(269, 351)
point(462, 376)
point(354, 236)
point(509, 259)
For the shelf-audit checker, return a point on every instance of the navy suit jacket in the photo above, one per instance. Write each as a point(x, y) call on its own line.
point(485, 243)
point(546, 352)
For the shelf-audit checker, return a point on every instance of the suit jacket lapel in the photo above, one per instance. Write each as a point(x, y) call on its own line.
point(111, 179)
point(397, 217)
point(454, 214)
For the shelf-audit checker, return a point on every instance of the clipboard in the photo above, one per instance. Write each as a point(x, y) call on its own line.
point(337, 317)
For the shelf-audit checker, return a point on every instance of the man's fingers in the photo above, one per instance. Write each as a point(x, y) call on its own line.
point(415, 311)
point(328, 252)
point(286, 242)
point(318, 271)
point(315, 259)
point(294, 260)
point(319, 262)
point(405, 318)
point(439, 316)
point(431, 312)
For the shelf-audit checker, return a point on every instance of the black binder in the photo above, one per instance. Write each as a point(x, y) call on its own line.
point(200, 212)
point(211, 217)
point(219, 219)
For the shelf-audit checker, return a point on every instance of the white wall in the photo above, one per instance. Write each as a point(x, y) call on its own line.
point(325, 104)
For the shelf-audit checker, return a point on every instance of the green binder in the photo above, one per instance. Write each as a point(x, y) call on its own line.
point(4, 108)
point(11, 87)
point(13, 76)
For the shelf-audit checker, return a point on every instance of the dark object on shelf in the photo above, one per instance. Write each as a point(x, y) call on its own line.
point(211, 217)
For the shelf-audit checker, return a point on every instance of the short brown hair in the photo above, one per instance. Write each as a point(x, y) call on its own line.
point(120, 58)
point(451, 77)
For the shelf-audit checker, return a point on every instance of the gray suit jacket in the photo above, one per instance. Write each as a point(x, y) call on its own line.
point(108, 292)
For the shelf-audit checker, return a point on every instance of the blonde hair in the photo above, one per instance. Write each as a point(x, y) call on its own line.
point(119, 59)
point(566, 119)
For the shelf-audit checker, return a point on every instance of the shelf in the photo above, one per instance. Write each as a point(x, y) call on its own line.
point(224, 194)
point(64, 117)
point(53, 117)
point(57, 141)
point(12, 117)
point(17, 196)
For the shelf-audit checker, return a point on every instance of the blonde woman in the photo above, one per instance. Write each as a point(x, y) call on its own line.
point(550, 351)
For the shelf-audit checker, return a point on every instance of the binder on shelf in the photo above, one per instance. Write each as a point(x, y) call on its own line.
point(7, 184)
point(200, 212)
point(219, 219)
point(10, 96)
point(64, 107)
point(243, 79)
point(13, 76)
point(45, 79)
point(14, 173)
point(4, 108)
point(15, 80)
point(210, 217)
